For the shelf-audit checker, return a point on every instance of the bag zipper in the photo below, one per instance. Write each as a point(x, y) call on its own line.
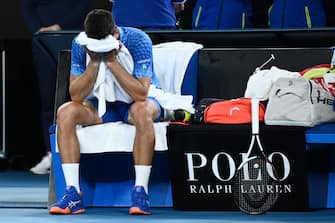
point(310, 91)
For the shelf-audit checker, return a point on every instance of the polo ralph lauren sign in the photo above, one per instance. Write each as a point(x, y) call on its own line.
point(204, 158)
point(224, 182)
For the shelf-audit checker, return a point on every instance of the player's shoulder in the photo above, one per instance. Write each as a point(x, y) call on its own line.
point(131, 30)
point(75, 44)
point(76, 47)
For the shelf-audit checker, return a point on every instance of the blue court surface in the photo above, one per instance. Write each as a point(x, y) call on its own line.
point(23, 198)
point(34, 215)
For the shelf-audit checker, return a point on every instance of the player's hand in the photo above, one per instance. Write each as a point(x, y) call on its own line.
point(178, 7)
point(95, 57)
point(54, 27)
point(110, 56)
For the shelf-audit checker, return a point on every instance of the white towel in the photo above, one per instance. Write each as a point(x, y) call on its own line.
point(170, 63)
point(171, 101)
point(100, 46)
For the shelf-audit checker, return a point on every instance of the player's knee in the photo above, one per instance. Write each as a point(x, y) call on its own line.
point(141, 113)
point(66, 114)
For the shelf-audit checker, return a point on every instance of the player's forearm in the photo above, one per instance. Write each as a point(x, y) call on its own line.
point(81, 86)
point(135, 88)
point(54, 27)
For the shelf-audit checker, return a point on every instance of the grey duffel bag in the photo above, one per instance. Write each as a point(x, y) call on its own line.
point(299, 102)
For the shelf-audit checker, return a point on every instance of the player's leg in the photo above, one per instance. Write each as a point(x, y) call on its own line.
point(70, 115)
point(142, 115)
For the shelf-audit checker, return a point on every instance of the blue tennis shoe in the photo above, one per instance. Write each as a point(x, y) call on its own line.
point(140, 204)
point(70, 203)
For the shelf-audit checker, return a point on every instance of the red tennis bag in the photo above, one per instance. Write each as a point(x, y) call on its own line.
point(234, 111)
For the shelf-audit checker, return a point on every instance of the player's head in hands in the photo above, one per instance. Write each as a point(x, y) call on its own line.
point(99, 23)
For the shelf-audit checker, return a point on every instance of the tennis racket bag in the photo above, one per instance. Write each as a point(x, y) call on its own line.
point(234, 111)
point(299, 102)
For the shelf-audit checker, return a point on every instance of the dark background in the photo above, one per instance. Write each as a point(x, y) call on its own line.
point(23, 132)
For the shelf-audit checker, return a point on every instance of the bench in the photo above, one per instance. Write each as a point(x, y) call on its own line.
point(107, 169)
point(322, 137)
point(217, 66)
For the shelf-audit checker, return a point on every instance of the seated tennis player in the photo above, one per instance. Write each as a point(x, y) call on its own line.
point(96, 51)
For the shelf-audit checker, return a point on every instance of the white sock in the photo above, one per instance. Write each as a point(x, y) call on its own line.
point(142, 175)
point(71, 174)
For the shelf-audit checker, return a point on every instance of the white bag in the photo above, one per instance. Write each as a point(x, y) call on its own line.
point(298, 102)
point(260, 83)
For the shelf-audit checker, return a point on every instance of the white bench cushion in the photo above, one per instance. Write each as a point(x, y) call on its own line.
point(116, 137)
